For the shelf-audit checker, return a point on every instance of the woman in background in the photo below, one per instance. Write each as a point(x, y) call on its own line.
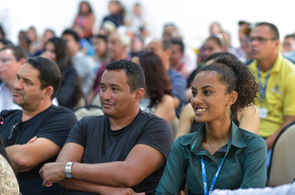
point(85, 19)
point(157, 98)
point(69, 92)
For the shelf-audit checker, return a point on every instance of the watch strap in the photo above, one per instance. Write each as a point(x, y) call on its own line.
point(68, 170)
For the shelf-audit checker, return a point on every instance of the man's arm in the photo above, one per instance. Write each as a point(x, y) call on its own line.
point(140, 163)
point(270, 140)
point(27, 156)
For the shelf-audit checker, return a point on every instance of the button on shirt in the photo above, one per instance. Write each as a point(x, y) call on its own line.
point(244, 166)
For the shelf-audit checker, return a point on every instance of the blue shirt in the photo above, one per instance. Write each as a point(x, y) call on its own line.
point(244, 166)
point(179, 87)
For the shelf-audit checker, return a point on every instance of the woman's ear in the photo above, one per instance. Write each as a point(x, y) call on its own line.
point(233, 96)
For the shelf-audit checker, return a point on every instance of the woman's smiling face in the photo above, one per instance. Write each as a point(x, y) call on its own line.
point(209, 99)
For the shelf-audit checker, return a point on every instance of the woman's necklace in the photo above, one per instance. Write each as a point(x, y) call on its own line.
point(209, 149)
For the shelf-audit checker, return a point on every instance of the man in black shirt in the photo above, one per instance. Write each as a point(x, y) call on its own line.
point(34, 135)
point(124, 148)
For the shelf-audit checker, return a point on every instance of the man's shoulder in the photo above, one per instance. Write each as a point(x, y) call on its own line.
point(148, 119)
point(58, 111)
point(5, 113)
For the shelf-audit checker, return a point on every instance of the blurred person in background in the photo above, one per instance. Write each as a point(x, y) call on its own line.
point(163, 48)
point(69, 92)
point(137, 44)
point(85, 19)
point(83, 64)
point(100, 47)
point(189, 57)
point(158, 98)
point(48, 34)
point(33, 36)
point(136, 20)
point(289, 47)
point(117, 13)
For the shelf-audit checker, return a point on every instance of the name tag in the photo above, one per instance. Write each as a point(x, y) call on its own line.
point(263, 113)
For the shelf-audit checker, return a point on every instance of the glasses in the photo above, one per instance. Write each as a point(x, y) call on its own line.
point(260, 39)
point(6, 60)
point(14, 133)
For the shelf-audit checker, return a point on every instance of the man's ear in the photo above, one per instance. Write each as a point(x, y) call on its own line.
point(168, 53)
point(47, 92)
point(233, 96)
point(139, 93)
point(22, 61)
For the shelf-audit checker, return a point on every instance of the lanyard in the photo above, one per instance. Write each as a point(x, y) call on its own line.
point(204, 176)
point(262, 89)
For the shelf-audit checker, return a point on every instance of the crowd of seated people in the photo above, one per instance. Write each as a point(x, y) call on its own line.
point(176, 119)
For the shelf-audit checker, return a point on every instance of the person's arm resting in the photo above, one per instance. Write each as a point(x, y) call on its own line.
point(27, 156)
point(137, 166)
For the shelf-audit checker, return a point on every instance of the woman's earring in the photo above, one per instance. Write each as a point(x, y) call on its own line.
point(228, 111)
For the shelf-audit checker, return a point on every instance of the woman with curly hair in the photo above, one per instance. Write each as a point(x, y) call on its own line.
point(157, 98)
point(247, 118)
point(219, 155)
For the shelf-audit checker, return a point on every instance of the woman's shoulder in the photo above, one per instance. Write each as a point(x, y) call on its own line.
point(166, 98)
point(251, 138)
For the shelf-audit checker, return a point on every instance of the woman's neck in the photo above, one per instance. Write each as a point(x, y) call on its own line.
point(218, 131)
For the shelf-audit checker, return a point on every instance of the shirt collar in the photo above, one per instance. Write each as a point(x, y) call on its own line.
point(195, 142)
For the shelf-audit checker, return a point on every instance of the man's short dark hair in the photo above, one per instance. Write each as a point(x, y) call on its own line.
point(134, 73)
point(179, 42)
point(242, 22)
point(290, 36)
point(49, 73)
point(18, 51)
point(272, 27)
point(167, 45)
point(73, 33)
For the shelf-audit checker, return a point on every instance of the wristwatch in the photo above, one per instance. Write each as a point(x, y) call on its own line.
point(68, 170)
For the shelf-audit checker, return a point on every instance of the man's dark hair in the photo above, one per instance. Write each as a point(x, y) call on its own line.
point(104, 38)
point(73, 33)
point(50, 30)
point(272, 27)
point(167, 45)
point(179, 42)
point(18, 51)
point(242, 22)
point(134, 73)
point(290, 36)
point(49, 73)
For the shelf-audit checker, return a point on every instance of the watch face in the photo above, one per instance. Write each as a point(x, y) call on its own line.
point(68, 175)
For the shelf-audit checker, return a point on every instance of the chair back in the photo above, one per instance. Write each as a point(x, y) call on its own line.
point(88, 111)
point(282, 164)
point(96, 100)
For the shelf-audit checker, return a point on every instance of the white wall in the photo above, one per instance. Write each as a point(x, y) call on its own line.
point(193, 17)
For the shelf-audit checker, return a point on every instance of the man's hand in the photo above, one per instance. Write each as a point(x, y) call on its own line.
point(121, 191)
point(52, 173)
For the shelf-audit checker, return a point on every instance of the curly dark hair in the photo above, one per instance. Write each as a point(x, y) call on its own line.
point(157, 79)
point(237, 77)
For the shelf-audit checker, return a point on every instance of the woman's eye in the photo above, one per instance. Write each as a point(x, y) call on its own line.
point(194, 93)
point(207, 92)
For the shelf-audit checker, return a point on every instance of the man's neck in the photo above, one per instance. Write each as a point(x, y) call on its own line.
point(27, 114)
point(117, 124)
point(266, 64)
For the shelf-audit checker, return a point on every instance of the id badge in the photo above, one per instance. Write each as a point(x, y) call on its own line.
point(263, 113)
